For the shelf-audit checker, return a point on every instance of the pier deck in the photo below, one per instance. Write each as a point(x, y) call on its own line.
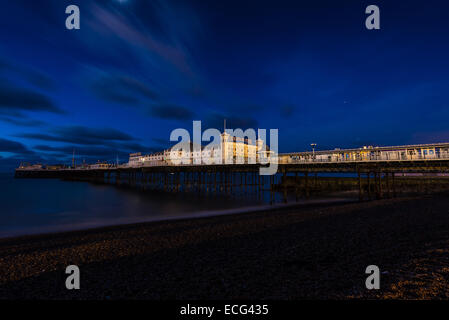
point(374, 177)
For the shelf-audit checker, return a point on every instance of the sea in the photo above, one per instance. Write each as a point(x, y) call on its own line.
point(35, 206)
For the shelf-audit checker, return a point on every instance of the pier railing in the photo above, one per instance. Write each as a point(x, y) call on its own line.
point(281, 159)
point(384, 158)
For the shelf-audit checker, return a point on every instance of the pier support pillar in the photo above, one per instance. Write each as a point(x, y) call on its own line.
point(368, 179)
point(380, 185)
point(360, 186)
point(393, 183)
point(284, 186)
point(306, 184)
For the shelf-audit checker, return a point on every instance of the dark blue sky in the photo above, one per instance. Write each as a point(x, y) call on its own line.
point(137, 69)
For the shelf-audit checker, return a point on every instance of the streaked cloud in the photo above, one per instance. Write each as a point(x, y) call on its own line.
point(122, 89)
point(79, 135)
point(171, 111)
point(13, 147)
point(21, 99)
point(24, 122)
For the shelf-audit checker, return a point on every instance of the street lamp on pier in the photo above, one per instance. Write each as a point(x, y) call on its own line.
point(313, 145)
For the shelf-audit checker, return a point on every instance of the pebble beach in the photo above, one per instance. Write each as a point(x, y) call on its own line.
point(317, 251)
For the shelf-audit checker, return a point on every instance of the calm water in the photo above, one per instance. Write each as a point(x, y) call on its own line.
point(30, 206)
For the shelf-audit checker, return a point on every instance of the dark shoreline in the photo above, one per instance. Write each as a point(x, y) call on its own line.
point(256, 209)
point(315, 251)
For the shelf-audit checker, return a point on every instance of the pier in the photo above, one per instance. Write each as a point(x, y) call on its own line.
point(373, 179)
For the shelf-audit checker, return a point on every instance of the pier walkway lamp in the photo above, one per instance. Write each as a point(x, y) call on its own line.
point(313, 145)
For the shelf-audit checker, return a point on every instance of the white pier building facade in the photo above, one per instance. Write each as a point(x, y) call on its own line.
point(230, 150)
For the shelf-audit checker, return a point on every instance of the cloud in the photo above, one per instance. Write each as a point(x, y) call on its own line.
point(25, 100)
point(80, 135)
point(122, 90)
point(23, 122)
point(133, 147)
point(93, 153)
point(98, 152)
point(91, 144)
point(93, 134)
point(13, 147)
point(287, 111)
point(170, 111)
point(124, 28)
point(31, 75)
point(8, 112)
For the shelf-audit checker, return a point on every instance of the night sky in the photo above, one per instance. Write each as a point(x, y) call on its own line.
point(137, 69)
